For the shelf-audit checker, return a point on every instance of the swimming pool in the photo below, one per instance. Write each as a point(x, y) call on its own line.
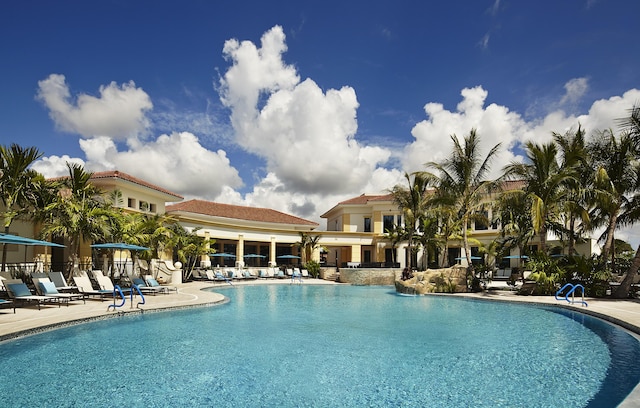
point(304, 345)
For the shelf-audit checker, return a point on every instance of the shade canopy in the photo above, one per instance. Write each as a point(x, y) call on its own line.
point(222, 255)
point(516, 257)
point(288, 257)
point(473, 258)
point(18, 240)
point(120, 245)
point(254, 256)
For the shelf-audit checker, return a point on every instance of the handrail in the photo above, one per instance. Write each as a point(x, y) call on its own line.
point(572, 293)
point(117, 290)
point(562, 289)
point(134, 286)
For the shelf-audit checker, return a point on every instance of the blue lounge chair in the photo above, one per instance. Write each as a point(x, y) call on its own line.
point(20, 292)
point(144, 288)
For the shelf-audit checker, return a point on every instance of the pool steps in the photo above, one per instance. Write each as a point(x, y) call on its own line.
point(118, 291)
point(572, 293)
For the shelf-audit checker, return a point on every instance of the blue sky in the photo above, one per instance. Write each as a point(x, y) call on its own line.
point(299, 105)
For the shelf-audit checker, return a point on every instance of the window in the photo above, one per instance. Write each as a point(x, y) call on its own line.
point(387, 222)
point(144, 206)
point(367, 224)
point(152, 208)
point(399, 219)
point(482, 222)
point(367, 256)
point(131, 203)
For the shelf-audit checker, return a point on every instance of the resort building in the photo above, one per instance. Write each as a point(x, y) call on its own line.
point(356, 237)
point(355, 234)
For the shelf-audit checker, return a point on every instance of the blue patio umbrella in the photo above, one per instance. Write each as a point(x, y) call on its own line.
point(18, 240)
point(473, 258)
point(120, 246)
point(516, 257)
point(288, 257)
point(254, 256)
point(222, 255)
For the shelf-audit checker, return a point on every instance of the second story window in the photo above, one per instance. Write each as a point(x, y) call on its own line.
point(367, 224)
point(387, 222)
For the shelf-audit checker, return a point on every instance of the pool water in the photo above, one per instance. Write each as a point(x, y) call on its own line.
point(322, 346)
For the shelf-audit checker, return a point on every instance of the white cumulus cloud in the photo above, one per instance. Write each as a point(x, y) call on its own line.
point(119, 111)
point(306, 135)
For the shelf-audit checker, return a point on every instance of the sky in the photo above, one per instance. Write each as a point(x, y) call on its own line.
point(298, 105)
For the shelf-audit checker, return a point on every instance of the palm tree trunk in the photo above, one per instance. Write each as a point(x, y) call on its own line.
point(4, 250)
point(611, 228)
point(623, 290)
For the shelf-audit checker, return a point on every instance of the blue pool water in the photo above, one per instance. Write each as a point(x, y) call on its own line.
point(321, 346)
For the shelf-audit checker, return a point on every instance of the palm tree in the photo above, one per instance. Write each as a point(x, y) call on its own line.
point(575, 156)
point(18, 185)
point(617, 180)
point(395, 236)
point(513, 210)
point(461, 182)
point(411, 201)
point(307, 244)
point(631, 127)
point(78, 214)
point(545, 187)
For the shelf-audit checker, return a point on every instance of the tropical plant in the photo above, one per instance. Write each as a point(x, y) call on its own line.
point(617, 180)
point(545, 186)
point(79, 213)
point(307, 244)
point(188, 246)
point(461, 182)
point(546, 272)
point(631, 126)
point(18, 185)
point(313, 267)
point(395, 236)
point(411, 201)
point(579, 195)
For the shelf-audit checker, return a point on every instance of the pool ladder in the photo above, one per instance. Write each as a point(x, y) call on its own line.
point(571, 291)
point(118, 291)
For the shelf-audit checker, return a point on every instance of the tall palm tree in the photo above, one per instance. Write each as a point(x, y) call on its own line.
point(395, 236)
point(78, 214)
point(411, 201)
point(576, 158)
point(617, 179)
point(513, 214)
point(461, 182)
point(18, 185)
point(546, 182)
point(631, 126)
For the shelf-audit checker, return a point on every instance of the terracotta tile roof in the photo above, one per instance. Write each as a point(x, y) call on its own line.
point(238, 212)
point(513, 185)
point(124, 176)
point(363, 199)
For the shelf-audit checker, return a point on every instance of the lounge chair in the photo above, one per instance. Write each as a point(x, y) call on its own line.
point(84, 286)
point(152, 282)
point(144, 288)
point(58, 279)
point(305, 273)
point(7, 303)
point(218, 276)
point(279, 274)
point(21, 293)
point(262, 273)
point(249, 275)
point(106, 284)
point(44, 287)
